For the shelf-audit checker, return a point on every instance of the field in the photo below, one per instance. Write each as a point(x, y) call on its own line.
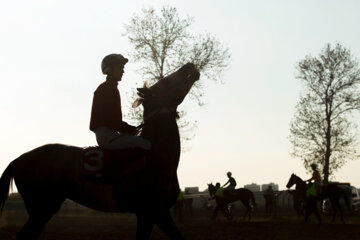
point(78, 225)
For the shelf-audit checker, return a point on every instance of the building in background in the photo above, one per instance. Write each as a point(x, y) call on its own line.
point(191, 190)
point(275, 187)
point(252, 187)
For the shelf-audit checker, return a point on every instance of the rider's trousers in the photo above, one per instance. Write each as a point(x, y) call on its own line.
point(110, 139)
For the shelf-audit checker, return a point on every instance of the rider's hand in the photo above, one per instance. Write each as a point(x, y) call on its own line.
point(132, 130)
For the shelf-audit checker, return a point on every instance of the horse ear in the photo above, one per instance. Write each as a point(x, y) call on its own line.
point(137, 102)
point(143, 92)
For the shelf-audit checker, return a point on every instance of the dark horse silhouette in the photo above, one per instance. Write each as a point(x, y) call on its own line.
point(47, 175)
point(244, 195)
point(331, 191)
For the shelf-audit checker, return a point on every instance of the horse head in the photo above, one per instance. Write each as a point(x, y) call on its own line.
point(297, 181)
point(211, 189)
point(168, 92)
point(291, 181)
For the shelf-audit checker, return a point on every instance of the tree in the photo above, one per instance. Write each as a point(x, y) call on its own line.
point(322, 130)
point(161, 44)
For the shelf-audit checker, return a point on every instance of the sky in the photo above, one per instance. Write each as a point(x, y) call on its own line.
point(50, 55)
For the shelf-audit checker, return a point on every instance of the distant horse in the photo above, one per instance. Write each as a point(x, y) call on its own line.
point(331, 191)
point(242, 194)
point(47, 175)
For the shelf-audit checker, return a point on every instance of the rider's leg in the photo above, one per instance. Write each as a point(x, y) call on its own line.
point(109, 139)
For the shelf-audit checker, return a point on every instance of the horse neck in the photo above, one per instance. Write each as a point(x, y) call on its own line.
point(163, 133)
point(211, 190)
point(300, 184)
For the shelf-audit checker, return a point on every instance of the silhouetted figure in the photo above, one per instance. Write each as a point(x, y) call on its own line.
point(220, 203)
point(269, 199)
point(106, 115)
point(49, 174)
point(231, 182)
point(316, 178)
point(310, 204)
point(309, 197)
point(188, 201)
point(245, 196)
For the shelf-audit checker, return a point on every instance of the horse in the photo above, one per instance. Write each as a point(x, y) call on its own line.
point(331, 191)
point(47, 175)
point(244, 195)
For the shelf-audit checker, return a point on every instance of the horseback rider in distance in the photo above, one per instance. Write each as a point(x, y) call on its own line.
point(231, 182)
point(316, 177)
point(106, 115)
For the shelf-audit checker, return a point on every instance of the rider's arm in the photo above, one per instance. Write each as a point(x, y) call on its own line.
point(226, 183)
point(312, 178)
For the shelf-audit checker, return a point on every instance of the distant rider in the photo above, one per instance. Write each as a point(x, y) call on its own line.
point(316, 177)
point(106, 115)
point(231, 182)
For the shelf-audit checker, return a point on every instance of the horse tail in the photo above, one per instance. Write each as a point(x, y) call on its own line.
point(6, 183)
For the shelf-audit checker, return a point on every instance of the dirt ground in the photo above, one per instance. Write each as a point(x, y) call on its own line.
point(78, 226)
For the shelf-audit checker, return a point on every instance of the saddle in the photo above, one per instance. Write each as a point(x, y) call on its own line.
point(108, 165)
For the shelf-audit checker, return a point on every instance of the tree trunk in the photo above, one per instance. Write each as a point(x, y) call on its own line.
point(328, 152)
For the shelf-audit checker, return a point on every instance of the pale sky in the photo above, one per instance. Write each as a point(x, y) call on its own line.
point(50, 54)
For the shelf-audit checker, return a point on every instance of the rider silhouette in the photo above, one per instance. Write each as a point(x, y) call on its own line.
point(269, 197)
point(316, 177)
point(106, 115)
point(231, 182)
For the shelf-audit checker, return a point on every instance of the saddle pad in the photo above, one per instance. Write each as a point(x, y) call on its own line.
point(100, 162)
point(93, 161)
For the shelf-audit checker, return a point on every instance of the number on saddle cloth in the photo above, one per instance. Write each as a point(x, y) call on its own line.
point(99, 162)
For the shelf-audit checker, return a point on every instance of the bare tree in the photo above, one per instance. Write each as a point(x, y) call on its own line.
point(162, 43)
point(322, 130)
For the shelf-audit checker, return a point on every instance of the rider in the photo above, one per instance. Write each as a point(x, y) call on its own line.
point(316, 177)
point(231, 182)
point(106, 116)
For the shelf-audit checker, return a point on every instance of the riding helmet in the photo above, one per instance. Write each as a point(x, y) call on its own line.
point(112, 60)
point(313, 165)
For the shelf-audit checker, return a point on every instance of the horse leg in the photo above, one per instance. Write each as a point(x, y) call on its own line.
point(341, 214)
point(248, 209)
point(167, 225)
point(245, 213)
point(338, 206)
point(335, 205)
point(216, 209)
point(144, 227)
point(308, 207)
point(316, 212)
point(33, 227)
point(225, 211)
point(40, 212)
point(308, 211)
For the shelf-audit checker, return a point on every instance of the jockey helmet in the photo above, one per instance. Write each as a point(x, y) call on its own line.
point(313, 165)
point(228, 173)
point(112, 60)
